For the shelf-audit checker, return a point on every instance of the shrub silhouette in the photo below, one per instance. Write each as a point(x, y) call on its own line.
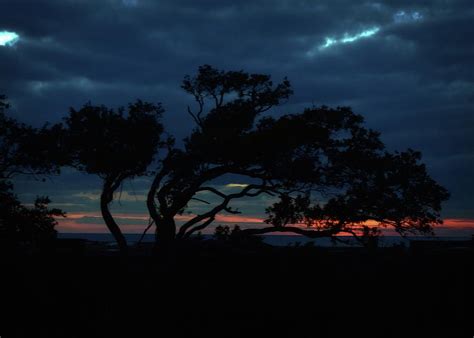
point(25, 150)
point(22, 226)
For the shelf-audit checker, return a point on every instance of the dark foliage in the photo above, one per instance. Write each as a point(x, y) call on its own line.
point(327, 172)
point(30, 228)
point(115, 145)
point(25, 150)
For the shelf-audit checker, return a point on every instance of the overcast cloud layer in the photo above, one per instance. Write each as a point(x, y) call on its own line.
point(407, 66)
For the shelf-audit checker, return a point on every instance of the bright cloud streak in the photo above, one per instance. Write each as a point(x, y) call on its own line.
point(236, 185)
point(8, 38)
point(349, 38)
point(399, 17)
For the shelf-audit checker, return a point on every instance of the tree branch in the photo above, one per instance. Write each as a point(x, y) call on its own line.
point(150, 223)
point(222, 206)
point(200, 200)
point(231, 211)
point(296, 230)
point(199, 227)
point(213, 190)
point(195, 118)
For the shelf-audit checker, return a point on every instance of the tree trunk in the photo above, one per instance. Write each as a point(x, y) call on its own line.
point(150, 201)
point(105, 198)
point(165, 233)
point(296, 230)
point(165, 225)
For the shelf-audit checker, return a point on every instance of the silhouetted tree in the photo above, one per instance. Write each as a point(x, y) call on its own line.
point(222, 233)
point(115, 145)
point(329, 174)
point(30, 226)
point(213, 148)
point(25, 150)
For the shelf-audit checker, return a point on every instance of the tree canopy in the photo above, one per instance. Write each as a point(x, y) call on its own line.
point(324, 171)
point(114, 144)
point(329, 173)
point(25, 150)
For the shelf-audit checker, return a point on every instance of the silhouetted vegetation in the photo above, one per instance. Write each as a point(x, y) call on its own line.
point(29, 228)
point(25, 150)
point(329, 173)
point(115, 145)
point(326, 172)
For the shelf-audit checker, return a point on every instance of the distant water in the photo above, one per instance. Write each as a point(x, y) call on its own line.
point(277, 240)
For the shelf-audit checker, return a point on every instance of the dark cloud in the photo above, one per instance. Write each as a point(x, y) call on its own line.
point(413, 79)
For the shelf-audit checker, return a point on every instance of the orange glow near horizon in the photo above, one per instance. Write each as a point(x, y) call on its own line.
point(72, 224)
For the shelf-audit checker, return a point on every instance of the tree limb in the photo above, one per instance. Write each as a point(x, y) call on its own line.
point(195, 118)
point(296, 230)
point(222, 206)
point(213, 190)
point(199, 227)
point(200, 200)
point(150, 223)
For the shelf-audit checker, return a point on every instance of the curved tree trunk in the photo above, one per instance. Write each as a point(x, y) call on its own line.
point(165, 233)
point(165, 225)
point(293, 229)
point(105, 198)
point(150, 201)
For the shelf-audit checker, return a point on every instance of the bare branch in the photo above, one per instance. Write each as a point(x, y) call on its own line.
point(199, 227)
point(195, 118)
point(213, 190)
point(296, 230)
point(231, 211)
point(244, 192)
point(200, 200)
point(150, 224)
point(216, 100)
point(152, 193)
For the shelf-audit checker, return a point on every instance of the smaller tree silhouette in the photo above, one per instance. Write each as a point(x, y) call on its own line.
point(115, 145)
point(33, 226)
point(25, 150)
point(222, 232)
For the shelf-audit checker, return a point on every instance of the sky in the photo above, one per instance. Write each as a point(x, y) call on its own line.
point(406, 66)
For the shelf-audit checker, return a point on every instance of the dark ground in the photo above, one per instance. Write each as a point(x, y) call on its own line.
point(229, 292)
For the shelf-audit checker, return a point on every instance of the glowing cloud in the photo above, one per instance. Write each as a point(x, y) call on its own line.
point(8, 38)
point(349, 38)
point(329, 42)
point(236, 185)
point(402, 16)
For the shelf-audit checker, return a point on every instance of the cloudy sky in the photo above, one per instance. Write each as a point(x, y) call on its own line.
point(407, 66)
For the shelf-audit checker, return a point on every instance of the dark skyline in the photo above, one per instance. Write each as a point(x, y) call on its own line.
point(407, 68)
